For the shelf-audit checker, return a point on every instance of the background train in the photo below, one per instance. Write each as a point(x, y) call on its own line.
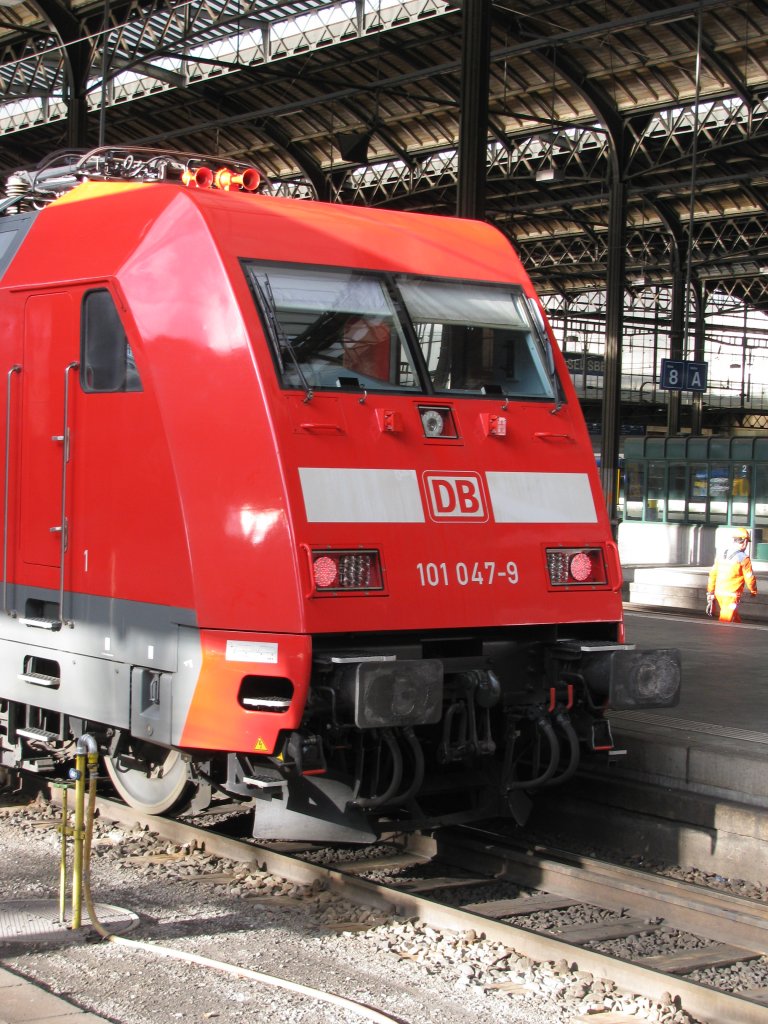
point(298, 506)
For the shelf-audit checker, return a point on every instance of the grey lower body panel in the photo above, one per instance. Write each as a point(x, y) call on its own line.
point(106, 649)
point(88, 688)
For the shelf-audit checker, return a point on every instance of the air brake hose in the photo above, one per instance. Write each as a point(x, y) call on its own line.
point(573, 746)
point(394, 784)
point(418, 768)
point(554, 758)
point(369, 1012)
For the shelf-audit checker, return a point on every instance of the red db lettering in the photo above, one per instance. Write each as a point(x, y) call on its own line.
point(444, 497)
point(455, 497)
point(467, 496)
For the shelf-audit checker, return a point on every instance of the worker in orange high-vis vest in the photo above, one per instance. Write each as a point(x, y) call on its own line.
point(728, 577)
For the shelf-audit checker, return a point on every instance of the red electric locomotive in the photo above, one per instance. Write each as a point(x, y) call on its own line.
point(299, 506)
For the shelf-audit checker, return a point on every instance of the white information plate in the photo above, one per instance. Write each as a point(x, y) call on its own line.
point(250, 650)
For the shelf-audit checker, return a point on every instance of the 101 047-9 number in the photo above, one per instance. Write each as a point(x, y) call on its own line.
point(465, 574)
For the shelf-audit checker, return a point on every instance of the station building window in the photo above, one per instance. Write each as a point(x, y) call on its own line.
point(656, 499)
point(761, 495)
point(719, 489)
point(703, 481)
point(634, 490)
point(697, 493)
point(741, 492)
point(676, 506)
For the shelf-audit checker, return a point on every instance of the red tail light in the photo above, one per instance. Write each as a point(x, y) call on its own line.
point(573, 567)
point(346, 572)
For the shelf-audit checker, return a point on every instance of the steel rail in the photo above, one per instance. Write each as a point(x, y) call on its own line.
point(703, 1003)
point(692, 908)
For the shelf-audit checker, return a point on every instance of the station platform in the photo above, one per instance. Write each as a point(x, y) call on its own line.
point(689, 783)
point(22, 1002)
point(683, 588)
point(725, 670)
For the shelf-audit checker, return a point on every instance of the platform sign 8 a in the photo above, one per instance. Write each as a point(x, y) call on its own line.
point(683, 375)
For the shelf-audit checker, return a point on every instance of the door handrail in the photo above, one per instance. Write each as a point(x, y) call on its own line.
point(16, 368)
point(63, 530)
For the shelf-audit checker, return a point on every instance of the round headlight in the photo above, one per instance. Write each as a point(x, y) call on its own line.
point(432, 422)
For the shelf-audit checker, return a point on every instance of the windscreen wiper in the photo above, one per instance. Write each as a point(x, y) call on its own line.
point(267, 298)
point(549, 355)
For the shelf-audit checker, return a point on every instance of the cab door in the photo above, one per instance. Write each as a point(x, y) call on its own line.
point(49, 412)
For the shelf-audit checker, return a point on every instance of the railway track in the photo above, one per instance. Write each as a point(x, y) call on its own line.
point(725, 919)
point(426, 880)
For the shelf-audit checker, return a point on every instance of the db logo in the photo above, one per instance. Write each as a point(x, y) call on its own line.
point(455, 497)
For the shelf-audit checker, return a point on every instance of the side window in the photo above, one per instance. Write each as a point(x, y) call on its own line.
point(719, 485)
point(635, 489)
point(106, 360)
point(741, 489)
point(656, 498)
point(676, 504)
point(761, 495)
point(698, 492)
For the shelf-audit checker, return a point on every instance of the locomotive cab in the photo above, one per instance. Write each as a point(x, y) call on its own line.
point(299, 508)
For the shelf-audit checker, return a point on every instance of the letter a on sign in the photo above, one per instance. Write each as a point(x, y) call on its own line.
point(695, 376)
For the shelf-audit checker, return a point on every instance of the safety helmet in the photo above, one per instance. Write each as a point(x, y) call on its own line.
point(740, 533)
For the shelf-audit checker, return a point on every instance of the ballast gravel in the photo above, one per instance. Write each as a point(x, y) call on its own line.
point(225, 911)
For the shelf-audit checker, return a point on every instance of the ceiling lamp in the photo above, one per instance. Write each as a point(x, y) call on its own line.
point(353, 146)
point(549, 174)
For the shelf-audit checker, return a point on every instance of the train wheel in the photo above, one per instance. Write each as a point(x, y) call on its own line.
point(151, 779)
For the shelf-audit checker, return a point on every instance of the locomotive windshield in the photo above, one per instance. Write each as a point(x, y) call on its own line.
point(477, 338)
point(334, 328)
point(344, 328)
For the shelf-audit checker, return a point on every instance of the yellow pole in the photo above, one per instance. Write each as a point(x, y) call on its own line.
point(63, 861)
point(77, 873)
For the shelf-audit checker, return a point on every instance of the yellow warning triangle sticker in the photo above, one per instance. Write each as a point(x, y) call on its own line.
point(260, 744)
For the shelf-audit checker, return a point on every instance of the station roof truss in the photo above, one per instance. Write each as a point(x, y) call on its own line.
point(359, 101)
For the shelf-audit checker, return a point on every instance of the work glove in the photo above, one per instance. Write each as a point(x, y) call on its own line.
point(710, 605)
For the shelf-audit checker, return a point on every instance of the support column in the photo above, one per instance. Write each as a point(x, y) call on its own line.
point(78, 55)
point(473, 116)
point(676, 336)
point(614, 324)
point(77, 118)
point(699, 337)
